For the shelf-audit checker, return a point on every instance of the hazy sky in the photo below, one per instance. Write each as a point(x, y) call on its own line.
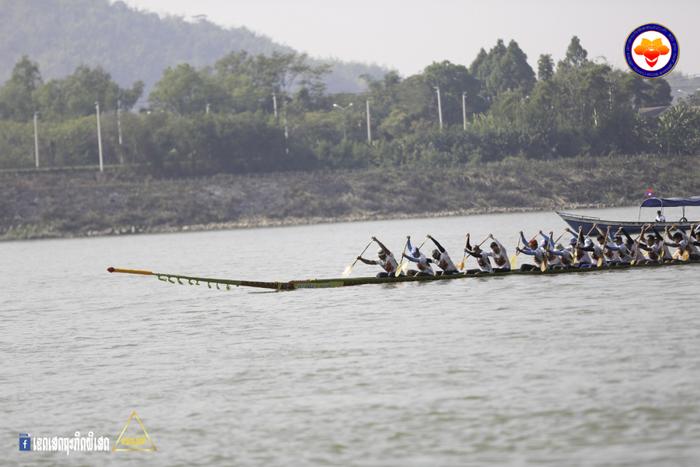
point(408, 35)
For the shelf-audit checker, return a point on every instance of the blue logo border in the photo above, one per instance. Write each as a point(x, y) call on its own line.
point(675, 50)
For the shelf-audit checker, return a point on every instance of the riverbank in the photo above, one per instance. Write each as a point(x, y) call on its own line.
point(49, 205)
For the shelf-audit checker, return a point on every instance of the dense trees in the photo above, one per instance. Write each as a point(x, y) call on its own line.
point(73, 96)
point(253, 113)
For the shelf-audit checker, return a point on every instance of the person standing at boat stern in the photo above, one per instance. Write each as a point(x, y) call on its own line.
point(415, 256)
point(386, 260)
point(660, 216)
point(442, 259)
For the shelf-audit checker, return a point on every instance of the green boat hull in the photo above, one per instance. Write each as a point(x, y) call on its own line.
point(355, 281)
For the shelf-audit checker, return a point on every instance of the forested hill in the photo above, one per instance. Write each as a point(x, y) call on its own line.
point(130, 44)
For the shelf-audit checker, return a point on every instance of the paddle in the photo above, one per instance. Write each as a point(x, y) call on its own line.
point(400, 266)
point(404, 268)
point(636, 244)
point(464, 258)
point(460, 265)
point(348, 269)
point(517, 252)
point(601, 259)
point(514, 256)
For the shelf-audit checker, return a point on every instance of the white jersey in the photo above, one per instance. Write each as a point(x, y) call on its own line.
point(484, 262)
point(553, 260)
point(624, 253)
point(567, 256)
point(423, 265)
point(584, 257)
point(445, 262)
point(687, 244)
point(637, 253)
point(597, 252)
point(389, 264)
point(501, 259)
point(612, 255)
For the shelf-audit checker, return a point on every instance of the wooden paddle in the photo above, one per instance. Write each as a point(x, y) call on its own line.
point(636, 243)
point(400, 266)
point(517, 252)
point(348, 269)
point(601, 259)
point(514, 256)
point(460, 265)
point(403, 266)
point(465, 247)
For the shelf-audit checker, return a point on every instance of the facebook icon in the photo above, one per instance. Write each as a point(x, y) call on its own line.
point(25, 442)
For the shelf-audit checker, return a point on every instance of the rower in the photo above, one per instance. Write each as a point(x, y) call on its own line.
point(441, 259)
point(683, 243)
point(597, 250)
point(482, 259)
point(582, 258)
point(564, 256)
point(386, 260)
point(499, 255)
point(415, 256)
point(553, 259)
point(531, 248)
point(656, 249)
point(622, 251)
point(660, 217)
point(608, 249)
point(635, 252)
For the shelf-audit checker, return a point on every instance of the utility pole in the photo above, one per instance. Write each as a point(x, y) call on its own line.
point(369, 125)
point(36, 140)
point(99, 136)
point(464, 110)
point(286, 128)
point(437, 89)
point(119, 121)
point(274, 104)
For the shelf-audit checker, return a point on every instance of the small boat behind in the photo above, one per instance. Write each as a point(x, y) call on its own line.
point(587, 222)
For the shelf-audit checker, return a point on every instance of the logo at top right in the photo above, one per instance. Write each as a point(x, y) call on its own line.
point(651, 50)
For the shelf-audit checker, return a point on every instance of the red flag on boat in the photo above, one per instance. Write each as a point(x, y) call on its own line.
point(650, 193)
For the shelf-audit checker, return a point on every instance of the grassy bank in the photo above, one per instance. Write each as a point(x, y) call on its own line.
point(46, 205)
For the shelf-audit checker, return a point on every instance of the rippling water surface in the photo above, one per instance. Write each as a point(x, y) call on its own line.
point(578, 369)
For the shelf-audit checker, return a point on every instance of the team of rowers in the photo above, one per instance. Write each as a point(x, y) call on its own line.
point(597, 248)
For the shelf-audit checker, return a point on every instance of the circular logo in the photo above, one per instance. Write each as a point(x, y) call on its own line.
point(651, 50)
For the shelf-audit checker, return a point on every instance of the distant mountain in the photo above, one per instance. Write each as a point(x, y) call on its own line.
point(129, 43)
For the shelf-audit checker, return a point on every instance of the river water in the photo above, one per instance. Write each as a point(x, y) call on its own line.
point(578, 369)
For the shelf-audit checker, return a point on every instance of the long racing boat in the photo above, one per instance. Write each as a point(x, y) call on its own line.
point(354, 281)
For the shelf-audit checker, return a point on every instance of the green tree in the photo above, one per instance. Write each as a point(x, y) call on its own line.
point(17, 95)
point(576, 55)
point(76, 94)
point(545, 67)
point(185, 90)
point(453, 80)
point(679, 130)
